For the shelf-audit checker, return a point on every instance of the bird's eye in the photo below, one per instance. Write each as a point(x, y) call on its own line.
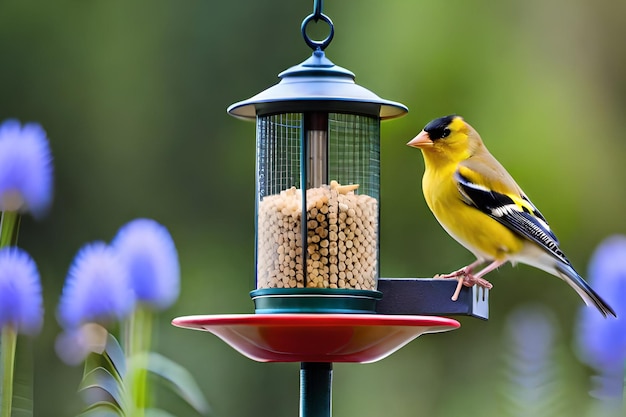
point(446, 132)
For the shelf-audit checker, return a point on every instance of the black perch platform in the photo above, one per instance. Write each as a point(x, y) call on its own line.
point(428, 296)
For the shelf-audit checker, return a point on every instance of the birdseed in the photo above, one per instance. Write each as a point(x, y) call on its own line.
point(342, 239)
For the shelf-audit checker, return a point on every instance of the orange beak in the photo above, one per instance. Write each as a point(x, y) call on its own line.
point(421, 141)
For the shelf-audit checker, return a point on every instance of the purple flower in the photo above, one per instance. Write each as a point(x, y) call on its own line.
point(96, 289)
point(149, 255)
point(25, 168)
point(602, 341)
point(21, 303)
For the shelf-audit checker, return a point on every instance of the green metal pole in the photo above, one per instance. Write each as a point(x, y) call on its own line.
point(315, 389)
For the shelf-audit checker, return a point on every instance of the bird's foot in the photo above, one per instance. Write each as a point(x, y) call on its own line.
point(466, 270)
point(464, 276)
point(470, 280)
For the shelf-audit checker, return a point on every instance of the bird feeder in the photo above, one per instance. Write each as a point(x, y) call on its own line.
point(318, 296)
point(317, 186)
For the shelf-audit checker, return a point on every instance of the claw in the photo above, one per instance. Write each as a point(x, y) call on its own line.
point(469, 280)
point(464, 276)
point(465, 271)
point(456, 274)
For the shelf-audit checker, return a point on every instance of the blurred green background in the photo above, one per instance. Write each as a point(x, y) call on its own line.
point(133, 96)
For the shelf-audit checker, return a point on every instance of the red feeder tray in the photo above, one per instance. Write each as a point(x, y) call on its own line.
point(361, 338)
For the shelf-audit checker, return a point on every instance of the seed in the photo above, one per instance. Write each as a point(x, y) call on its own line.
point(341, 239)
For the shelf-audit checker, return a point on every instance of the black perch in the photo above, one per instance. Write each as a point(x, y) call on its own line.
point(431, 297)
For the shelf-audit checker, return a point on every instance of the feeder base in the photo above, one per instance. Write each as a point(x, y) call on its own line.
point(360, 338)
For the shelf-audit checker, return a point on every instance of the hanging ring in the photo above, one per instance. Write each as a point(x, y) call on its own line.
point(315, 45)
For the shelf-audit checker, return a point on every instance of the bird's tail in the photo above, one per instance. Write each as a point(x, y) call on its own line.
point(569, 275)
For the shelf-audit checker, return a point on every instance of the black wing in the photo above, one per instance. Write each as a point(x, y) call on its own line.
point(524, 219)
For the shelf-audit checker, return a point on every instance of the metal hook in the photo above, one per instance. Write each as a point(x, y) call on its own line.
point(318, 44)
point(317, 15)
point(318, 5)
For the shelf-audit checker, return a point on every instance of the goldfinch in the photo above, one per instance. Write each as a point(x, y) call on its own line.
point(480, 205)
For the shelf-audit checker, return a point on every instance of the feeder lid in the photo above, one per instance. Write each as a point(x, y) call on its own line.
point(317, 85)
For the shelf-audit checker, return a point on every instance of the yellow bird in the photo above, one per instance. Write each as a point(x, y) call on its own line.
point(480, 205)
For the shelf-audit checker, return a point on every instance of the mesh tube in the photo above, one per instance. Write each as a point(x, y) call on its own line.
point(337, 246)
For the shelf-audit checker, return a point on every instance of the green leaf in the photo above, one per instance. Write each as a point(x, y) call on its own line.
point(179, 379)
point(102, 409)
point(115, 354)
point(102, 385)
point(8, 342)
point(101, 379)
point(96, 361)
point(23, 378)
point(112, 359)
point(9, 228)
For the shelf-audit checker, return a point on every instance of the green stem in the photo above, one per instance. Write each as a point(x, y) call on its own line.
point(8, 343)
point(9, 228)
point(138, 340)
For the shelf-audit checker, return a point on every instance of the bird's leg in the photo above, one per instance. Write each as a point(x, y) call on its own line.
point(465, 271)
point(470, 279)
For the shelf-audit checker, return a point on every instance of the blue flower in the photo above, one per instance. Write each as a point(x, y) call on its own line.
point(25, 168)
point(96, 289)
point(150, 256)
point(21, 303)
point(602, 341)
